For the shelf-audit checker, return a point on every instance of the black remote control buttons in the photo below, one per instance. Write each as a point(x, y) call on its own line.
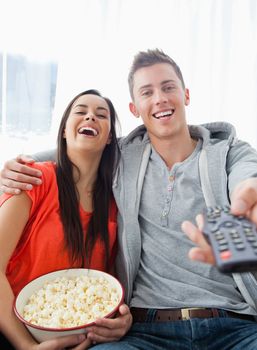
point(233, 240)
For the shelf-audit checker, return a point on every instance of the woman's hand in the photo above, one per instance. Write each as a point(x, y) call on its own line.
point(75, 342)
point(111, 329)
point(17, 175)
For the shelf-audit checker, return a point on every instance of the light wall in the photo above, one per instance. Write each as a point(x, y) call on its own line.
point(94, 41)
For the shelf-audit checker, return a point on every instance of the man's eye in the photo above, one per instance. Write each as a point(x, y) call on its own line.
point(79, 113)
point(146, 93)
point(168, 88)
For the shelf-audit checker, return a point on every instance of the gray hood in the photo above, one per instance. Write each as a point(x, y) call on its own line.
point(207, 132)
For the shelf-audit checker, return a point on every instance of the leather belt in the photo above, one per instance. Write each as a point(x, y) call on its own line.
point(166, 315)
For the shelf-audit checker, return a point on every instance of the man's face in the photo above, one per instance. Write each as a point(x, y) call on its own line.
point(160, 100)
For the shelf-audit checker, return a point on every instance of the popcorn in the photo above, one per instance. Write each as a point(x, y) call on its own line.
point(71, 302)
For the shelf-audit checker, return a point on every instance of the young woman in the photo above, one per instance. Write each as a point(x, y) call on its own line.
point(69, 221)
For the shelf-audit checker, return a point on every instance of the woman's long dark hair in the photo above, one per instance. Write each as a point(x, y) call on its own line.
point(80, 249)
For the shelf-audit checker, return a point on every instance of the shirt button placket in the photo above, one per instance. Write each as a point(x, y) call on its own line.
point(164, 218)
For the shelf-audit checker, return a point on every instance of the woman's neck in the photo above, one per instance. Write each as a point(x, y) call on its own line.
point(85, 172)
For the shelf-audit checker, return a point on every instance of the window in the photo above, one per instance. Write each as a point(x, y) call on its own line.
point(27, 98)
point(30, 95)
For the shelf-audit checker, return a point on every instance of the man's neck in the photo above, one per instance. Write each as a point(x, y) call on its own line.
point(174, 151)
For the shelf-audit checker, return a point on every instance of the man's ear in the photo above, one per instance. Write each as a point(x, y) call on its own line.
point(133, 109)
point(187, 97)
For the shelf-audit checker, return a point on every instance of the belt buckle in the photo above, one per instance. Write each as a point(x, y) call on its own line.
point(185, 313)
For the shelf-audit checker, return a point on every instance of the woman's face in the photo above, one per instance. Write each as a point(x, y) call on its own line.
point(88, 125)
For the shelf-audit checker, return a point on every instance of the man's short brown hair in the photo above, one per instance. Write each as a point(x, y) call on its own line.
point(149, 58)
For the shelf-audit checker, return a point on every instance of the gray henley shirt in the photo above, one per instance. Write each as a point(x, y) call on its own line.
point(167, 278)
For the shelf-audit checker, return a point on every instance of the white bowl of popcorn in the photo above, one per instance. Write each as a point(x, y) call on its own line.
point(66, 302)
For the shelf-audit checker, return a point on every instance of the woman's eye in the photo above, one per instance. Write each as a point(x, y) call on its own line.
point(101, 116)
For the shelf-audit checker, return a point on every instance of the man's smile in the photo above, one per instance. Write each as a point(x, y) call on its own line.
point(164, 114)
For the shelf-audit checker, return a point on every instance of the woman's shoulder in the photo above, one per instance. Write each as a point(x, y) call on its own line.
point(48, 170)
point(48, 179)
point(44, 166)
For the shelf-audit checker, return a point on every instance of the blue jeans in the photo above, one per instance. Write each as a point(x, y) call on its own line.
point(220, 333)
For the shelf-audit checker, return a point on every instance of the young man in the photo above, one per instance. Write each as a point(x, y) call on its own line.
point(169, 172)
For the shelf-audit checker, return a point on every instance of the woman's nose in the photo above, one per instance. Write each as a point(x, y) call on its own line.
point(90, 116)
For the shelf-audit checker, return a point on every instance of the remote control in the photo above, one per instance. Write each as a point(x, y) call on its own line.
point(232, 238)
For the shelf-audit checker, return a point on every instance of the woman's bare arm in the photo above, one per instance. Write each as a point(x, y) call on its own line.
point(14, 214)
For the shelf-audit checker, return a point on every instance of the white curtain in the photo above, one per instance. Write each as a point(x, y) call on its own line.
point(213, 41)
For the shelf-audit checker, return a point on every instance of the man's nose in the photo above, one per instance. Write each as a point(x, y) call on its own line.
point(160, 97)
